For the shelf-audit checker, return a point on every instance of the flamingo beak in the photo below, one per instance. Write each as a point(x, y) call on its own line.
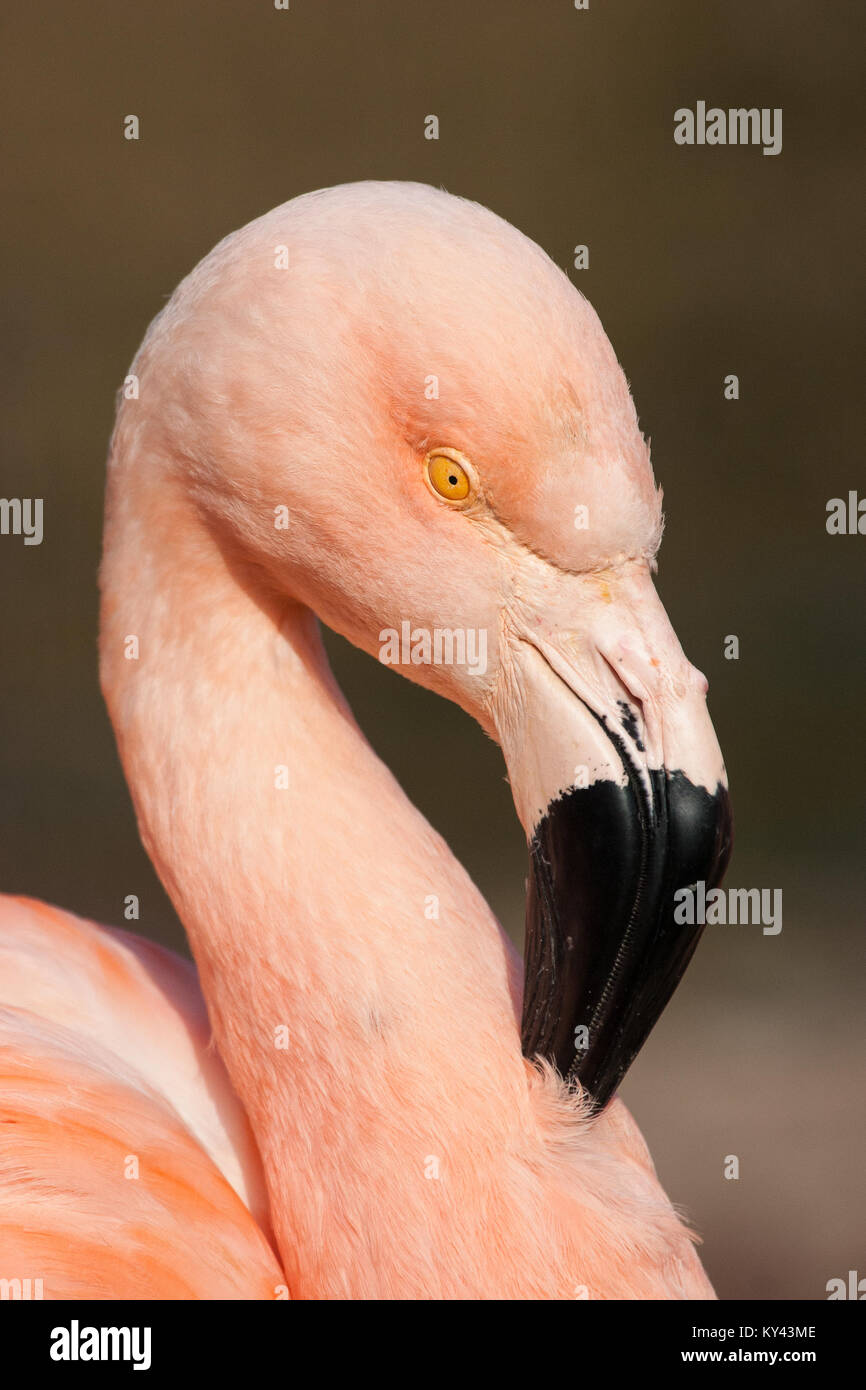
point(625, 803)
point(604, 952)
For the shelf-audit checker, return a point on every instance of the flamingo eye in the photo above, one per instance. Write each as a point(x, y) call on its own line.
point(447, 476)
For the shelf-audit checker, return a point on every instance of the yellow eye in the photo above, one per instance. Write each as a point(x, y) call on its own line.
point(447, 477)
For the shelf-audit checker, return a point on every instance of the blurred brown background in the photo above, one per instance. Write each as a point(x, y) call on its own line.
point(702, 262)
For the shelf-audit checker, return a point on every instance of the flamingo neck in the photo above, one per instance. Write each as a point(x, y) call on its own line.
point(363, 998)
point(361, 993)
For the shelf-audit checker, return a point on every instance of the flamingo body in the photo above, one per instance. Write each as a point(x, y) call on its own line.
point(126, 1163)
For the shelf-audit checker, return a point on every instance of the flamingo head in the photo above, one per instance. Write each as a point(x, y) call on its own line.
point(467, 495)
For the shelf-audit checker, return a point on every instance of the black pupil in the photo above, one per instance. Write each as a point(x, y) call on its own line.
point(452, 480)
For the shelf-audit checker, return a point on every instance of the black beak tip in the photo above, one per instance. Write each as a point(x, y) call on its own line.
point(604, 952)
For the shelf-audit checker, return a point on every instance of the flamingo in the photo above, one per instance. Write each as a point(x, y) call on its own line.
point(378, 404)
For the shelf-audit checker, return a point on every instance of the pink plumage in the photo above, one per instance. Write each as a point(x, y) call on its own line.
point(363, 1104)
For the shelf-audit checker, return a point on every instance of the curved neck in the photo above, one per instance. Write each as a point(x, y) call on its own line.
point(362, 995)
